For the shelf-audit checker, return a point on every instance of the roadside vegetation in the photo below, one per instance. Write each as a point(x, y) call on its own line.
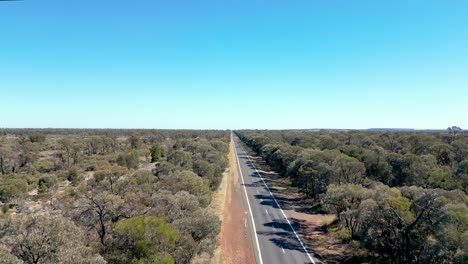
point(399, 194)
point(115, 196)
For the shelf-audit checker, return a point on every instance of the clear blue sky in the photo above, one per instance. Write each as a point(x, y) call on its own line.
point(234, 64)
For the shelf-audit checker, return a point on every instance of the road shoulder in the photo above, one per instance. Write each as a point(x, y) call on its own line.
point(235, 243)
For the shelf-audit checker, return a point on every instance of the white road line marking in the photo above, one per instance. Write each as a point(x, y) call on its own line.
point(250, 209)
point(283, 250)
point(257, 192)
point(266, 211)
point(282, 212)
point(273, 225)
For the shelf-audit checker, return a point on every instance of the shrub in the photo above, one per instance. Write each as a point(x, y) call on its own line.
point(5, 208)
point(11, 188)
point(73, 176)
point(37, 138)
point(128, 159)
point(45, 182)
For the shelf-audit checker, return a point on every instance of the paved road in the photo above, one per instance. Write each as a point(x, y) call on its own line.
point(273, 236)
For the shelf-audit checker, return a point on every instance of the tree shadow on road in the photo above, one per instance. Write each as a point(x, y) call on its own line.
point(282, 236)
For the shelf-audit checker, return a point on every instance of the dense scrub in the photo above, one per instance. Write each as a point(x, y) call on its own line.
point(402, 195)
point(121, 196)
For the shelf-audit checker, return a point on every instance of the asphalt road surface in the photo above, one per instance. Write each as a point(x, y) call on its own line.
point(274, 237)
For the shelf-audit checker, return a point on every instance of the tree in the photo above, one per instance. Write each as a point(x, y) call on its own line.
point(348, 170)
point(108, 178)
point(327, 142)
point(208, 171)
point(27, 155)
point(74, 176)
point(381, 230)
point(443, 178)
point(37, 137)
point(377, 167)
point(67, 148)
point(391, 142)
point(443, 153)
point(312, 177)
point(156, 152)
point(203, 168)
point(6, 157)
point(187, 181)
point(461, 174)
point(197, 228)
point(416, 225)
point(144, 239)
point(47, 239)
point(345, 201)
point(46, 182)
point(220, 146)
point(97, 211)
point(92, 145)
point(418, 169)
point(12, 187)
point(7, 257)
point(181, 158)
point(75, 153)
point(135, 141)
point(129, 159)
point(409, 223)
point(198, 234)
point(454, 130)
point(163, 168)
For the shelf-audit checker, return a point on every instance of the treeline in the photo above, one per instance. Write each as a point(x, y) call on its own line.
point(132, 198)
point(402, 195)
point(147, 133)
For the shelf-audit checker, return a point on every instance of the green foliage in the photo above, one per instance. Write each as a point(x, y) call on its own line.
point(47, 239)
point(156, 152)
point(443, 178)
point(45, 182)
point(12, 187)
point(37, 137)
point(5, 208)
point(46, 166)
point(97, 210)
point(143, 239)
point(7, 257)
point(220, 146)
point(345, 201)
point(347, 170)
point(74, 176)
point(181, 158)
point(164, 168)
point(129, 159)
point(135, 141)
point(310, 175)
point(190, 182)
point(99, 176)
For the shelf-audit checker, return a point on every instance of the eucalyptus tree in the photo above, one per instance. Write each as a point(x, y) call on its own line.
point(45, 239)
